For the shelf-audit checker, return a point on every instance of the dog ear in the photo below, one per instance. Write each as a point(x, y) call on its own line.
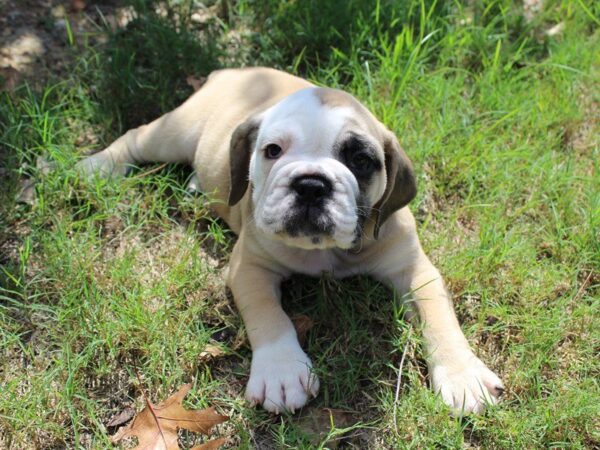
point(401, 185)
point(240, 151)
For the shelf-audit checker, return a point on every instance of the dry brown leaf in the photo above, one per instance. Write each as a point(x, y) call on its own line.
point(124, 416)
point(302, 324)
point(156, 425)
point(26, 191)
point(77, 5)
point(9, 78)
point(27, 185)
point(195, 83)
point(210, 351)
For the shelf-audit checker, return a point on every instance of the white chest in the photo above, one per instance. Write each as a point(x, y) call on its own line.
point(336, 262)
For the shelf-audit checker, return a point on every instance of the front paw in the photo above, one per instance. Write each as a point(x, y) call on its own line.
point(281, 378)
point(466, 384)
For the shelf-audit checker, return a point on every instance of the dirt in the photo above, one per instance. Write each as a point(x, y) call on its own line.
point(38, 38)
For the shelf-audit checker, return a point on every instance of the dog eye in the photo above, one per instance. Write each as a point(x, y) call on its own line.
point(361, 162)
point(272, 151)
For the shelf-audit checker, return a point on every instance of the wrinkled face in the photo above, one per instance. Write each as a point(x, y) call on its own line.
point(316, 170)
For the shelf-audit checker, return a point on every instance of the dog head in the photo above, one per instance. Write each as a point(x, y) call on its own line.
point(320, 166)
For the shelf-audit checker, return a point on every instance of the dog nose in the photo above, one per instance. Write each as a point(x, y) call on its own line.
point(311, 189)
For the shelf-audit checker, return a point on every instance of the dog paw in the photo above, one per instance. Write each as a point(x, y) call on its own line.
point(466, 384)
point(100, 164)
point(281, 378)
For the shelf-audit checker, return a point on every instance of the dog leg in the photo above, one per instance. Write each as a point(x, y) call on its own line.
point(281, 376)
point(462, 380)
point(170, 138)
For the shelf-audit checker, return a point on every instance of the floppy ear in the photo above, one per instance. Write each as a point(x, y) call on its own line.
point(240, 151)
point(401, 185)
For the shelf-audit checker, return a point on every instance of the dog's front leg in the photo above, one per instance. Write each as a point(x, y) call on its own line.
point(463, 380)
point(281, 376)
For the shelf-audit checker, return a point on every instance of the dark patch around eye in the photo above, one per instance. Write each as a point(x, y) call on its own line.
point(360, 157)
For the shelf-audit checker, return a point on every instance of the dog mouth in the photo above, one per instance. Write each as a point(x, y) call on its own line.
point(309, 220)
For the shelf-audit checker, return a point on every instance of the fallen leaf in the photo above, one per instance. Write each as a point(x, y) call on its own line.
point(210, 351)
point(26, 191)
point(556, 29)
point(302, 324)
point(195, 83)
point(77, 5)
point(239, 340)
point(156, 425)
point(124, 416)
point(9, 78)
point(44, 166)
point(27, 185)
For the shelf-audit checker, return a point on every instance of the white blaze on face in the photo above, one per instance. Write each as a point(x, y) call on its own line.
point(307, 131)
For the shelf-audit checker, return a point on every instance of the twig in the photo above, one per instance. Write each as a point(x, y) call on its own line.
point(400, 379)
point(148, 172)
point(583, 287)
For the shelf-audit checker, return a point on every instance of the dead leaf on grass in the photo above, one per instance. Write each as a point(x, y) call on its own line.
point(156, 425)
point(26, 191)
point(210, 351)
point(195, 83)
point(555, 30)
point(124, 416)
point(9, 78)
point(77, 5)
point(27, 185)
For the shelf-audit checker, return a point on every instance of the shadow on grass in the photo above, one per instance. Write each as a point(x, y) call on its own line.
point(141, 72)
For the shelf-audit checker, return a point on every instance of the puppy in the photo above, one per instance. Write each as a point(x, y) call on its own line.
point(311, 182)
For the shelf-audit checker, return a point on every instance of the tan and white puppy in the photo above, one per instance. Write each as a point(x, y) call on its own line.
point(311, 182)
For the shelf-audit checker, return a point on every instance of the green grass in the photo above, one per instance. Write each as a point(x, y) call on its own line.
point(103, 282)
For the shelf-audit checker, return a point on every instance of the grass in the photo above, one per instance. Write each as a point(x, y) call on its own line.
point(103, 282)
